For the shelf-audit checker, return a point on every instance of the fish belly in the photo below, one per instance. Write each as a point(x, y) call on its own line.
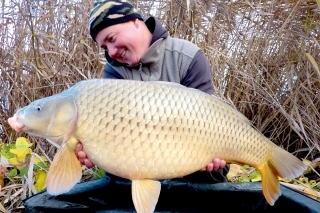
point(139, 130)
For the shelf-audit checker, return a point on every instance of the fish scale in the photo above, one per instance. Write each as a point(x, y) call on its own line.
point(146, 131)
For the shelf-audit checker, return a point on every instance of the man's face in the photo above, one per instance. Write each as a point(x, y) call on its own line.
point(124, 42)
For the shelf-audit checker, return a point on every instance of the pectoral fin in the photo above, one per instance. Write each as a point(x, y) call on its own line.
point(65, 170)
point(145, 194)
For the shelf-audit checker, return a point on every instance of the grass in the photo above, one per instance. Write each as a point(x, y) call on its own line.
point(264, 56)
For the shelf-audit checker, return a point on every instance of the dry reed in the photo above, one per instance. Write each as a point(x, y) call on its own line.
point(264, 57)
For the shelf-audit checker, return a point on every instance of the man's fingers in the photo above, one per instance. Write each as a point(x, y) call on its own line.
point(222, 164)
point(79, 147)
point(82, 155)
point(215, 165)
point(210, 167)
point(88, 163)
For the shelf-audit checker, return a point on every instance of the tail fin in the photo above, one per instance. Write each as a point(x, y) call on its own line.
point(282, 164)
point(287, 165)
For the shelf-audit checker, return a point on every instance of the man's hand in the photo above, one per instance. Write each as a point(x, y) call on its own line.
point(215, 165)
point(84, 160)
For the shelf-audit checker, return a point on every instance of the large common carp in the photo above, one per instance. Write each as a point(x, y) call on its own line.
point(146, 131)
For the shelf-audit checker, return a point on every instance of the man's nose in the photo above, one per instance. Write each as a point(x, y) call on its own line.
point(112, 50)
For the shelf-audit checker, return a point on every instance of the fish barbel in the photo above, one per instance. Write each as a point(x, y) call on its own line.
point(147, 131)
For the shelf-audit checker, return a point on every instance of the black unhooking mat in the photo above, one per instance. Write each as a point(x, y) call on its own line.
point(113, 195)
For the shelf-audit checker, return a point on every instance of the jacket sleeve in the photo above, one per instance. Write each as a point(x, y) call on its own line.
point(199, 74)
point(109, 72)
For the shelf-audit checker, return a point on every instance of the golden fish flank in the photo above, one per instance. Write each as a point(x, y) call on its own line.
point(145, 131)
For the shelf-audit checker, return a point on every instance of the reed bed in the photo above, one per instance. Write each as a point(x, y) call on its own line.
point(264, 55)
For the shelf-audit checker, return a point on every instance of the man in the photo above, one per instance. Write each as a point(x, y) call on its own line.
point(139, 50)
point(144, 51)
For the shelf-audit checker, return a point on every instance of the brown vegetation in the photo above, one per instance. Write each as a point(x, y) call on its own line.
point(264, 57)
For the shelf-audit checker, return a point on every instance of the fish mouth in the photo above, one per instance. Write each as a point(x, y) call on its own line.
point(16, 123)
point(19, 123)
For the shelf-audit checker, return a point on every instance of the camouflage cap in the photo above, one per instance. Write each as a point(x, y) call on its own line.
point(105, 13)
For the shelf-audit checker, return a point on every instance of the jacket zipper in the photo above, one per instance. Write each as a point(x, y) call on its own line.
point(140, 72)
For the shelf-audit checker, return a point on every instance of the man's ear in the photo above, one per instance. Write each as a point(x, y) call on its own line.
point(136, 22)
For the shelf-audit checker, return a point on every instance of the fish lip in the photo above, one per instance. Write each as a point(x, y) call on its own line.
point(16, 122)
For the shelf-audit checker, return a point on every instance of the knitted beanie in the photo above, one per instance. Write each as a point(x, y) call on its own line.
point(105, 13)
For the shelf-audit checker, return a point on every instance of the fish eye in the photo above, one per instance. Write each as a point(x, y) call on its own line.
point(38, 108)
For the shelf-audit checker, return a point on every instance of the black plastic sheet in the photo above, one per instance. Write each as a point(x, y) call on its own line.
point(113, 195)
